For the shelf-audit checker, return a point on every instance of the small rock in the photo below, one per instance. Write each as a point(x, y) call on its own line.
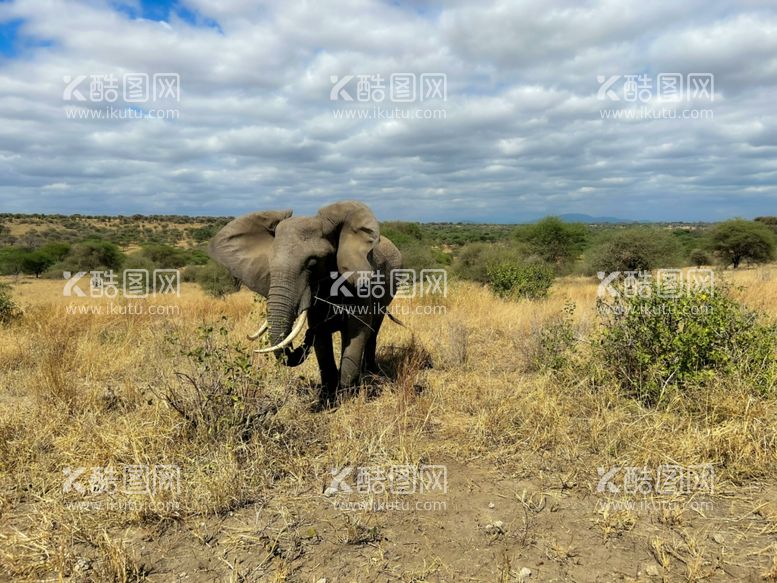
point(496, 527)
point(491, 505)
point(524, 574)
point(651, 571)
point(718, 538)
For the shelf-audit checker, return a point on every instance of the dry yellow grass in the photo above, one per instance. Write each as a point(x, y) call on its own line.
point(88, 390)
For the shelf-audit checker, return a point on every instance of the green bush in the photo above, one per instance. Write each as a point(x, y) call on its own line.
point(9, 311)
point(653, 345)
point(699, 257)
point(423, 257)
point(92, 255)
point(473, 259)
point(634, 249)
point(214, 279)
point(520, 281)
point(554, 241)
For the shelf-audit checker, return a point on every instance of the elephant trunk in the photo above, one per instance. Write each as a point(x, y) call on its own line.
point(281, 307)
point(281, 314)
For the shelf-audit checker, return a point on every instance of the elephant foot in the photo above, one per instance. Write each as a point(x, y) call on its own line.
point(327, 397)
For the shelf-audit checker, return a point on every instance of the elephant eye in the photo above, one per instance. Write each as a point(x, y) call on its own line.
point(312, 262)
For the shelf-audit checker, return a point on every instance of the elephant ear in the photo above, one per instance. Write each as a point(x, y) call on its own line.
point(356, 232)
point(244, 247)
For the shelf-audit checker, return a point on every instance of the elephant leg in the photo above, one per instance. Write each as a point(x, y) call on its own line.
point(370, 362)
point(325, 355)
point(354, 344)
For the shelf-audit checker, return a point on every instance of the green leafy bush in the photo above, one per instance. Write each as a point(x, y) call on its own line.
point(699, 257)
point(553, 240)
point(520, 281)
point(473, 260)
point(634, 249)
point(653, 345)
point(214, 279)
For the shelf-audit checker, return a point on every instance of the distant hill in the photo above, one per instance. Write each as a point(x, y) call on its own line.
point(583, 218)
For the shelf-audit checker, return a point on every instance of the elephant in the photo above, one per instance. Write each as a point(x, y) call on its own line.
point(314, 270)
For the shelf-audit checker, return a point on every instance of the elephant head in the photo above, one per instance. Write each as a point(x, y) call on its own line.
point(285, 259)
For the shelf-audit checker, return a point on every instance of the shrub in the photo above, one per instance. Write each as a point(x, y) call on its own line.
point(9, 311)
point(220, 392)
point(699, 257)
point(92, 255)
point(473, 260)
point(402, 234)
point(552, 344)
point(423, 257)
point(635, 249)
point(214, 279)
point(652, 345)
point(520, 281)
point(164, 256)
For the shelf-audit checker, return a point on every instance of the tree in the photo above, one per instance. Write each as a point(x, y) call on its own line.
point(164, 256)
point(770, 222)
point(36, 262)
point(11, 261)
point(699, 257)
point(553, 240)
point(635, 249)
point(92, 255)
point(741, 240)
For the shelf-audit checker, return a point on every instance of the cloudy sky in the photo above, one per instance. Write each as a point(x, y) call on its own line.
point(497, 111)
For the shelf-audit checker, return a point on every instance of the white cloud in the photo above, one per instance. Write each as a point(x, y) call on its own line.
point(522, 137)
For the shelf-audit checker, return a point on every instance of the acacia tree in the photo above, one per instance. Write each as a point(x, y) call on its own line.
point(553, 240)
point(635, 249)
point(741, 240)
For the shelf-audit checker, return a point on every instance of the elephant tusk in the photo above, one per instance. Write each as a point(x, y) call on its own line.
point(303, 317)
point(259, 332)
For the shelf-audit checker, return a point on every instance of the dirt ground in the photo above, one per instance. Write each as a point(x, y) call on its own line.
point(492, 524)
point(524, 454)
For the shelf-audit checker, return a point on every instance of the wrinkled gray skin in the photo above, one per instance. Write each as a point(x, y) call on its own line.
point(291, 261)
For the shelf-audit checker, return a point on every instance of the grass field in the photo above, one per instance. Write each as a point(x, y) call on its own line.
point(521, 445)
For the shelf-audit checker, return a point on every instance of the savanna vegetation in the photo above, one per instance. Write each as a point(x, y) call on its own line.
point(522, 380)
point(48, 245)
